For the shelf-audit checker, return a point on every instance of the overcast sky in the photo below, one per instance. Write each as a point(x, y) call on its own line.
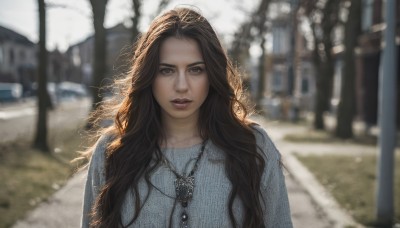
point(72, 23)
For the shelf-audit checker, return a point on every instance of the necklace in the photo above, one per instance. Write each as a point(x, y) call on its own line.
point(184, 185)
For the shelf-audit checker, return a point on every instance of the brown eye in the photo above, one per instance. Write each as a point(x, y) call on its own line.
point(196, 70)
point(166, 71)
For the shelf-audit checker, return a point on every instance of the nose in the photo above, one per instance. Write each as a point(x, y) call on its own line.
point(181, 83)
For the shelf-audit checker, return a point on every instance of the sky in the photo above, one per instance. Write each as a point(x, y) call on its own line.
point(69, 21)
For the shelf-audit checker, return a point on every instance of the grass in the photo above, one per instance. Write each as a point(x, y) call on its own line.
point(352, 181)
point(315, 136)
point(28, 177)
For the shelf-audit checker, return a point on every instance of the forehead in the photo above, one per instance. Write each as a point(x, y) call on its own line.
point(174, 50)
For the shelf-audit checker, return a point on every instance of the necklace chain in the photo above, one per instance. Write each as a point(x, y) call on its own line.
point(173, 170)
point(184, 185)
point(195, 167)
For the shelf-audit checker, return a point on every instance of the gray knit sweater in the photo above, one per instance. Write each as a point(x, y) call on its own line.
point(209, 207)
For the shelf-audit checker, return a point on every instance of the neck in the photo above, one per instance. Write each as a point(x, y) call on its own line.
point(181, 133)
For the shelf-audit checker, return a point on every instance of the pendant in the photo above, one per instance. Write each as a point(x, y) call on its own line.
point(184, 220)
point(184, 187)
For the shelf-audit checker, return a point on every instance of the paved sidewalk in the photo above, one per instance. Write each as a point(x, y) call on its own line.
point(316, 205)
point(311, 205)
point(63, 210)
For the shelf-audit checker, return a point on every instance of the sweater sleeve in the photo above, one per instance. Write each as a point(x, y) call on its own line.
point(95, 179)
point(276, 210)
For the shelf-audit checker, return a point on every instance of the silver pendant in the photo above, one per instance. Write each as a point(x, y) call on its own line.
point(184, 220)
point(184, 187)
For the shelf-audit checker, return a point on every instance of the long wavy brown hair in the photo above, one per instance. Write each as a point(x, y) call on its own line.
point(137, 124)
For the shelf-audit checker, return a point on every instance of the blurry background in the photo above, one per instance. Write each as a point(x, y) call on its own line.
point(318, 65)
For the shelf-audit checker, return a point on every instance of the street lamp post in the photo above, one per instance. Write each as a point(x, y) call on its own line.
point(387, 118)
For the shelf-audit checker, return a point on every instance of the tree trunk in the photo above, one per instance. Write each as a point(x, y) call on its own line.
point(346, 110)
point(241, 43)
point(40, 141)
point(319, 122)
point(136, 5)
point(324, 62)
point(324, 78)
point(261, 73)
point(99, 64)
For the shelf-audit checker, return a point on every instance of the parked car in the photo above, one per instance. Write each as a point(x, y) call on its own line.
point(71, 90)
point(10, 92)
point(64, 91)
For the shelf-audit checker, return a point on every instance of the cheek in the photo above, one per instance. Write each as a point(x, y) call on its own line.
point(157, 90)
point(206, 90)
point(206, 87)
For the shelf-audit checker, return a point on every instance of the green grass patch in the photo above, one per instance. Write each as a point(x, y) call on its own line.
point(352, 181)
point(28, 176)
point(314, 136)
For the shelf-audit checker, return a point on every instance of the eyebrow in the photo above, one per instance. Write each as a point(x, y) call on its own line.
point(192, 64)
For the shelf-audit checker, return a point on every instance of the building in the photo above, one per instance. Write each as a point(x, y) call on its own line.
point(80, 55)
point(290, 74)
point(18, 59)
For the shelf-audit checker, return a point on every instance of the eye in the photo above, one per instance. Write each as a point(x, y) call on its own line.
point(166, 71)
point(196, 70)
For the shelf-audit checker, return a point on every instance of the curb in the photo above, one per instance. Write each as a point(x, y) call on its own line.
point(325, 202)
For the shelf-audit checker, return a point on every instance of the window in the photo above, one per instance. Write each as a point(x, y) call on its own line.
point(11, 57)
point(76, 59)
point(1, 55)
point(280, 40)
point(377, 11)
point(277, 81)
point(305, 80)
point(367, 10)
point(304, 86)
point(22, 55)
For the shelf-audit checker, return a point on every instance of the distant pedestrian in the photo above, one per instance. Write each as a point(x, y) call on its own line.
point(181, 151)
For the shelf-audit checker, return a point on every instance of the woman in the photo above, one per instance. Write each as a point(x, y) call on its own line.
point(182, 152)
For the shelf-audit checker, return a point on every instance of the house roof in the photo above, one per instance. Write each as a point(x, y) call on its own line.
point(10, 35)
point(119, 28)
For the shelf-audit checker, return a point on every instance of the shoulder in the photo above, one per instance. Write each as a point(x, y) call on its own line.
point(99, 149)
point(273, 173)
point(265, 143)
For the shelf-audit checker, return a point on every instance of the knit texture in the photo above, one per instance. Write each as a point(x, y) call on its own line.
point(209, 206)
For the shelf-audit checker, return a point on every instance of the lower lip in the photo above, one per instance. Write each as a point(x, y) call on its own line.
point(180, 105)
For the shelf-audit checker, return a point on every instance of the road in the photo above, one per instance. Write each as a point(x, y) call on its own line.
point(19, 120)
